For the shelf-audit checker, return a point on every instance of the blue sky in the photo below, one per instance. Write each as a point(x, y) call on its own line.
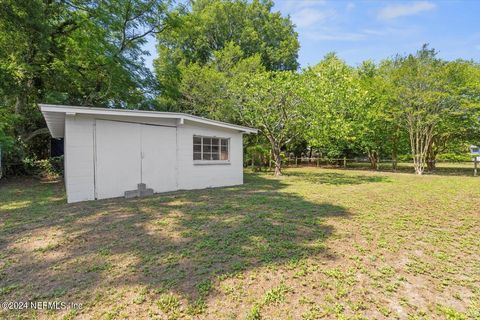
point(360, 30)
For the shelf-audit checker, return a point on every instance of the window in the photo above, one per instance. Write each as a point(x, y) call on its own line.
point(210, 148)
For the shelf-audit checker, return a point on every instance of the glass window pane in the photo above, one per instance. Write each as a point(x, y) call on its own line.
point(208, 148)
point(224, 155)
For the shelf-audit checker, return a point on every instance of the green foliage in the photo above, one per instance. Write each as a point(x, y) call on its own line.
point(276, 295)
point(376, 120)
point(48, 168)
point(272, 102)
point(258, 153)
point(230, 60)
point(168, 303)
point(70, 52)
point(209, 90)
point(209, 27)
point(6, 135)
point(454, 157)
point(333, 96)
point(437, 102)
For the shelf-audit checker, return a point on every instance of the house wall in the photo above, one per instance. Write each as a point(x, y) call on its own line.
point(79, 160)
point(80, 156)
point(196, 176)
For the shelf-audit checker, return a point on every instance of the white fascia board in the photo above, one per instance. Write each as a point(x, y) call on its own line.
point(142, 113)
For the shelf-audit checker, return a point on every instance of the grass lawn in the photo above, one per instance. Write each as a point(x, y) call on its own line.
point(315, 243)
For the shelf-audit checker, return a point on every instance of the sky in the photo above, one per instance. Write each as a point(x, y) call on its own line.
point(361, 30)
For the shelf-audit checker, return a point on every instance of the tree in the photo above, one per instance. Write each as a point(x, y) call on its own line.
point(73, 52)
point(205, 90)
point(207, 27)
point(461, 125)
point(376, 119)
point(333, 94)
point(428, 97)
point(271, 101)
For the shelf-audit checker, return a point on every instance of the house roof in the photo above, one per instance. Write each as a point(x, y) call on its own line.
point(55, 117)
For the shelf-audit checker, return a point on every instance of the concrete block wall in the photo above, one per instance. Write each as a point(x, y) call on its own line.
point(79, 158)
point(192, 175)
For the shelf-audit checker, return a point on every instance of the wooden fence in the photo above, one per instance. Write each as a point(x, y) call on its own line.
point(462, 167)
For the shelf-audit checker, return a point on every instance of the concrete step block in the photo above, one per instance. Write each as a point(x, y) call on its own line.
point(132, 194)
point(142, 186)
point(146, 192)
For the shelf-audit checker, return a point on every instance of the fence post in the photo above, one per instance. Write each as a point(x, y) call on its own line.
point(475, 166)
point(318, 162)
point(296, 162)
point(344, 162)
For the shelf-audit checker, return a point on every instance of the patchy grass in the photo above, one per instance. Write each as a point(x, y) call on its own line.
point(315, 243)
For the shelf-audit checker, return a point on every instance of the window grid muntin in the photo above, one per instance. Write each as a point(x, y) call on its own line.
point(211, 148)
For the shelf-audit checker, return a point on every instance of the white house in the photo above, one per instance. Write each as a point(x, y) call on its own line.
point(109, 152)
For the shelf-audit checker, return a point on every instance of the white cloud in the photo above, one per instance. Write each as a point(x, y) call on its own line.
point(350, 6)
point(295, 5)
point(308, 17)
point(401, 10)
point(335, 36)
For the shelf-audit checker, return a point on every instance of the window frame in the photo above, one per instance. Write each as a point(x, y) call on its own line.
point(204, 161)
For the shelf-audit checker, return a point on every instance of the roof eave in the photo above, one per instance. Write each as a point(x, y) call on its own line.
point(141, 113)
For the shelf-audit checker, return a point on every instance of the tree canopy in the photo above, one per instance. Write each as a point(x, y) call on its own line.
point(210, 26)
point(230, 60)
point(71, 52)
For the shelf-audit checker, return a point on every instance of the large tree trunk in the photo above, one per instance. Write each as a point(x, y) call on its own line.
point(278, 162)
point(276, 156)
point(373, 156)
point(420, 139)
point(20, 106)
point(394, 152)
point(431, 157)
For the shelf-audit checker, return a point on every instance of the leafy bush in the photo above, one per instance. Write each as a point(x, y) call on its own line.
point(47, 168)
point(454, 157)
point(405, 158)
point(259, 153)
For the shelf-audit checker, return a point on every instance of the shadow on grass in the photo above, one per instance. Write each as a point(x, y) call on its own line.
point(334, 178)
point(178, 242)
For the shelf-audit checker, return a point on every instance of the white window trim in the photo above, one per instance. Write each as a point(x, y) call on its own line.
point(212, 162)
